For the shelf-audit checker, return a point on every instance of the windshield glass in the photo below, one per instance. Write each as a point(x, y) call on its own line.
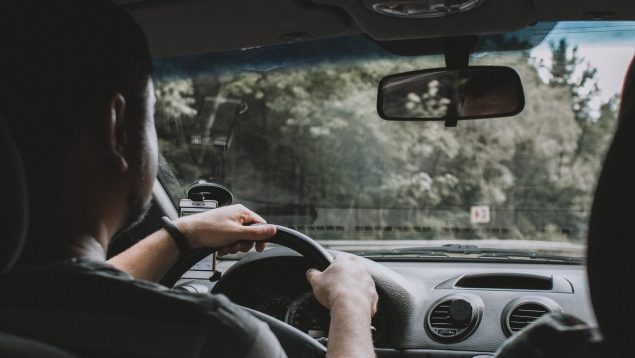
point(293, 130)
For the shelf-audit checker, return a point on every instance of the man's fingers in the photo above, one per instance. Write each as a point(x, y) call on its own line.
point(230, 249)
point(249, 217)
point(255, 232)
point(374, 310)
point(243, 246)
point(312, 274)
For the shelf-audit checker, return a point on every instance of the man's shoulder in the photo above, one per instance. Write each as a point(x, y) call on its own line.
point(87, 290)
point(91, 286)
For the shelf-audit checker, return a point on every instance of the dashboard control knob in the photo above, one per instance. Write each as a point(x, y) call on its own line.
point(460, 311)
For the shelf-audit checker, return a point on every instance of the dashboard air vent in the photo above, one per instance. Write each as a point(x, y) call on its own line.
point(520, 313)
point(525, 314)
point(453, 318)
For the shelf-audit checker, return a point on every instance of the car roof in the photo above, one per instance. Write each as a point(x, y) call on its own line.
point(183, 27)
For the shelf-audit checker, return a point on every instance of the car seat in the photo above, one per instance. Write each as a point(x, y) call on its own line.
point(13, 221)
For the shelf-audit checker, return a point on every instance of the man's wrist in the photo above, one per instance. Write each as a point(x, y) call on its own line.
point(185, 226)
point(176, 235)
point(352, 304)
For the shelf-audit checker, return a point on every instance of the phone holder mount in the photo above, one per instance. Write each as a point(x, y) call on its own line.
point(202, 190)
point(204, 195)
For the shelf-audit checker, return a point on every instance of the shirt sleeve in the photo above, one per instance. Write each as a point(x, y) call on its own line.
point(265, 344)
point(234, 332)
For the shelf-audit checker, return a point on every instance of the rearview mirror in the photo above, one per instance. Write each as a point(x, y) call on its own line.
point(449, 95)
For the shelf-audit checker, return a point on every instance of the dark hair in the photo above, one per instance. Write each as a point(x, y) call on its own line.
point(487, 83)
point(63, 61)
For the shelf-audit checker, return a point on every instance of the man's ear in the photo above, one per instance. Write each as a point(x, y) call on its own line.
point(116, 132)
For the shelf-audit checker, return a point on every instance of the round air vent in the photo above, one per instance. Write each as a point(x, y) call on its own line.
point(521, 312)
point(454, 318)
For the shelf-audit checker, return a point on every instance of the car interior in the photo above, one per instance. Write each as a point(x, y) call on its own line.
point(457, 300)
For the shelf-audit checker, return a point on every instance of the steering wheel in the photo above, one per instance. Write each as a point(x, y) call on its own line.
point(294, 342)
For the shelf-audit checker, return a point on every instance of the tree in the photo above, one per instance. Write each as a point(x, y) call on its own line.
point(312, 138)
point(566, 72)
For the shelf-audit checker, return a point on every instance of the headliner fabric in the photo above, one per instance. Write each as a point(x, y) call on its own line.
point(13, 201)
point(611, 245)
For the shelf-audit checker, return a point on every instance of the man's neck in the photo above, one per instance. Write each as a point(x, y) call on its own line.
point(65, 234)
point(79, 217)
point(87, 247)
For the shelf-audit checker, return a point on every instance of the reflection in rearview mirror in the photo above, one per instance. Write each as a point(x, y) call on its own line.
point(442, 94)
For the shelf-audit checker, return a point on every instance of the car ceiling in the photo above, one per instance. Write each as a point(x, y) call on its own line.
point(183, 27)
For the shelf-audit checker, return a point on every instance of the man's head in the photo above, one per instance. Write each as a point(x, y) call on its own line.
point(77, 95)
point(490, 93)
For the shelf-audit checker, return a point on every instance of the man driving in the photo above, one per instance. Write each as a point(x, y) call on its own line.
point(78, 98)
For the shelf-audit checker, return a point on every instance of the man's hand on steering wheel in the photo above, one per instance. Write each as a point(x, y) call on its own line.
point(224, 228)
point(346, 281)
point(348, 291)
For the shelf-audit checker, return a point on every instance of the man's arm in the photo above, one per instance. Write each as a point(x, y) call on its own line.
point(347, 289)
point(221, 228)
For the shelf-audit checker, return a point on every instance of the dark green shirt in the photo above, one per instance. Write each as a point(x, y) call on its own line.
point(92, 309)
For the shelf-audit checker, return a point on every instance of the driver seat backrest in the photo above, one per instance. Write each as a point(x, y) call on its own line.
point(13, 219)
point(13, 203)
point(19, 347)
point(611, 241)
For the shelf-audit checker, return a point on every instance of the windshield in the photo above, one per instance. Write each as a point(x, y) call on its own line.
point(293, 130)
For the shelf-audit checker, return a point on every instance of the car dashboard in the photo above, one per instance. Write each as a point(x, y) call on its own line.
point(426, 308)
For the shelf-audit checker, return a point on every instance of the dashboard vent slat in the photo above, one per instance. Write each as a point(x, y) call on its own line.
point(440, 318)
point(525, 314)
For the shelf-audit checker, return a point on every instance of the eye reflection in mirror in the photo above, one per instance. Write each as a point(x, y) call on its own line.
point(442, 94)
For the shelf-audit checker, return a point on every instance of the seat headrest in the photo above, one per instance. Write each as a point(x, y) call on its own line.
point(611, 245)
point(13, 200)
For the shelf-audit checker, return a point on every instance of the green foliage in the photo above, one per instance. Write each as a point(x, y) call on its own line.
point(312, 137)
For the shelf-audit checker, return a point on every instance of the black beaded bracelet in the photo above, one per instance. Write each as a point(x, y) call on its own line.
point(176, 235)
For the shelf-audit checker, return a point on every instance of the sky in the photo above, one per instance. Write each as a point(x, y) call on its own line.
point(608, 46)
